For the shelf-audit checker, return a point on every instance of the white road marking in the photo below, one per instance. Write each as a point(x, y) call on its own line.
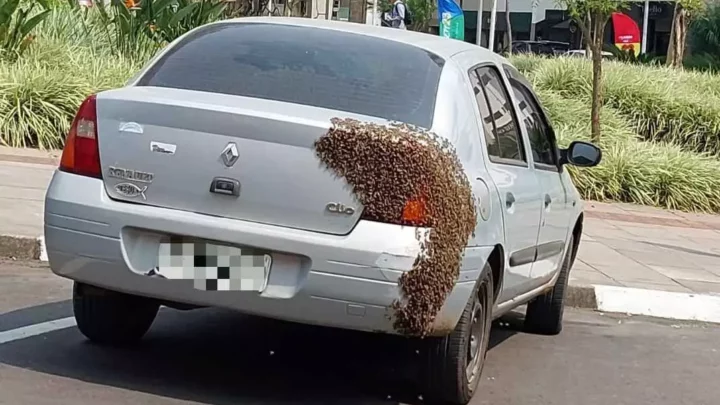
point(43, 249)
point(37, 329)
point(661, 304)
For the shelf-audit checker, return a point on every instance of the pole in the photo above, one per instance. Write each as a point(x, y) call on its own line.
point(374, 12)
point(646, 12)
point(478, 24)
point(493, 15)
point(532, 20)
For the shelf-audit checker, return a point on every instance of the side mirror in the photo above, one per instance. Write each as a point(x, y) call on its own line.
point(581, 154)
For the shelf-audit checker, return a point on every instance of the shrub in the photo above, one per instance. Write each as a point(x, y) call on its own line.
point(139, 28)
point(176, 17)
point(704, 62)
point(704, 35)
point(632, 170)
point(35, 103)
point(128, 32)
point(16, 24)
point(660, 103)
point(653, 174)
point(74, 26)
point(40, 93)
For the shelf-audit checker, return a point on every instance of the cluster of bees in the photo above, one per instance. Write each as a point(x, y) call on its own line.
point(408, 176)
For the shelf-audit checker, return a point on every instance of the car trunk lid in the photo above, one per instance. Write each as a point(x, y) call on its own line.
point(157, 147)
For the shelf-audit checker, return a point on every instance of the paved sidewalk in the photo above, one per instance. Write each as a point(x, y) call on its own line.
point(624, 245)
point(640, 247)
point(24, 176)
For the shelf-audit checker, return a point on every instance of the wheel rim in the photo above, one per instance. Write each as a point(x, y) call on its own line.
point(474, 358)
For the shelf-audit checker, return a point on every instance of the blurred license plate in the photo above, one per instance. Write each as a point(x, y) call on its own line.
point(214, 267)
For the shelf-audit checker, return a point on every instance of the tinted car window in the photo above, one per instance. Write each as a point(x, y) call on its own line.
point(506, 128)
point(543, 149)
point(487, 120)
point(304, 65)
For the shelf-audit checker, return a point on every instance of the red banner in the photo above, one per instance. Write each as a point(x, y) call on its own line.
point(627, 32)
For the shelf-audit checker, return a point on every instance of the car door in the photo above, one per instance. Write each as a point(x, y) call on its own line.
point(555, 216)
point(509, 169)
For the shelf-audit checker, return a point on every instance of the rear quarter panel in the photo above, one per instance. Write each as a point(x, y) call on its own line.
point(572, 195)
point(455, 119)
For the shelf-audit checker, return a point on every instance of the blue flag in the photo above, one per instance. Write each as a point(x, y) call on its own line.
point(452, 20)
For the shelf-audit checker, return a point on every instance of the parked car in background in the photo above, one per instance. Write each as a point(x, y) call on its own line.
point(197, 185)
point(580, 53)
point(550, 48)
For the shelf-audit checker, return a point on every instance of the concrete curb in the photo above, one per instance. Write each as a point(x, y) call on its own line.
point(654, 303)
point(580, 296)
point(23, 248)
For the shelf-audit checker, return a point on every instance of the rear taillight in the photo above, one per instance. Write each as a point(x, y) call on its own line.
point(81, 154)
point(414, 213)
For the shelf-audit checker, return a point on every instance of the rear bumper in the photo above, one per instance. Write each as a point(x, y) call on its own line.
point(338, 281)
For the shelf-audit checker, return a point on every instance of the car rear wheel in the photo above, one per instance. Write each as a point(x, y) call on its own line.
point(110, 317)
point(455, 362)
point(544, 314)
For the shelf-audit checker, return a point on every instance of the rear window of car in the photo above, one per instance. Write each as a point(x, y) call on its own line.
point(304, 65)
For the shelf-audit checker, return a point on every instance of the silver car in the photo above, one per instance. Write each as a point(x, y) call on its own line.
point(196, 185)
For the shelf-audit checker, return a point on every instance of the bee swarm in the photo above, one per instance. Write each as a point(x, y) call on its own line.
point(387, 166)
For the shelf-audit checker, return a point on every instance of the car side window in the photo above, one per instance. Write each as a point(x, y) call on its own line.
point(505, 145)
point(541, 144)
point(487, 121)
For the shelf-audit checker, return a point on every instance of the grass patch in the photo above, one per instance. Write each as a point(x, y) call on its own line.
point(40, 93)
point(633, 170)
point(69, 60)
point(661, 104)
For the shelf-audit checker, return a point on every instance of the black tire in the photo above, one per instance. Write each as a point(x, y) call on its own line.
point(544, 314)
point(109, 317)
point(446, 376)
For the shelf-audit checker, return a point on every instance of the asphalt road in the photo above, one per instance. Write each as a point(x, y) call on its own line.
point(220, 358)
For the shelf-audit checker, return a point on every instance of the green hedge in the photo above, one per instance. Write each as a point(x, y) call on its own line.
point(661, 104)
point(40, 93)
point(633, 170)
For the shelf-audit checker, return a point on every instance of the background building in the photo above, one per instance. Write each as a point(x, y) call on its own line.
point(552, 22)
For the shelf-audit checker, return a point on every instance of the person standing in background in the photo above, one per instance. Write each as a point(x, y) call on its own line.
point(396, 17)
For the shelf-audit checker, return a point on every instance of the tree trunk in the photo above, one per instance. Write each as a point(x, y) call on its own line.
point(678, 37)
point(596, 93)
point(597, 100)
point(587, 37)
point(670, 58)
point(509, 27)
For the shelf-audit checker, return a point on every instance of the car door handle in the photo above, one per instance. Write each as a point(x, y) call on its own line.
point(548, 200)
point(509, 200)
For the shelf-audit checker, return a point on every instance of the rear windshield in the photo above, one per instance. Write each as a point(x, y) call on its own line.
point(304, 65)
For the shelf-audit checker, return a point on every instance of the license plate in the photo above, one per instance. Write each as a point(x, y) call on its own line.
point(214, 267)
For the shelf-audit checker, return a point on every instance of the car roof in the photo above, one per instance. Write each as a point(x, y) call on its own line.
point(443, 47)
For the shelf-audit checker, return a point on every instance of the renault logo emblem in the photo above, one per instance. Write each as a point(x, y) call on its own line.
point(230, 154)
